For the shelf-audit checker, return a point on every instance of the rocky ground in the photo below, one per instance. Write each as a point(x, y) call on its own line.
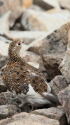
point(44, 28)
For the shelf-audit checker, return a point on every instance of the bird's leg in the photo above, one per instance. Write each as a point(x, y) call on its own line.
point(21, 104)
point(28, 107)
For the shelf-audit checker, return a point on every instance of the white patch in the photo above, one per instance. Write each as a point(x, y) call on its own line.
point(31, 90)
point(35, 98)
point(34, 74)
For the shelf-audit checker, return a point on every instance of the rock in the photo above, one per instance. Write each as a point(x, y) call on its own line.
point(28, 119)
point(7, 98)
point(2, 86)
point(26, 3)
point(3, 60)
point(58, 84)
point(64, 97)
point(54, 10)
point(34, 58)
point(56, 113)
point(65, 4)
point(10, 5)
point(65, 64)
point(47, 44)
point(27, 37)
point(36, 8)
point(4, 22)
point(31, 21)
point(8, 111)
point(46, 4)
point(4, 44)
point(52, 48)
point(51, 63)
point(36, 21)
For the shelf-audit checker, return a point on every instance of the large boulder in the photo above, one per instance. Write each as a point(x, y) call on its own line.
point(28, 119)
point(52, 48)
point(43, 21)
point(56, 113)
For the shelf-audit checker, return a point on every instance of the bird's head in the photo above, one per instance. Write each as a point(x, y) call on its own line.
point(15, 47)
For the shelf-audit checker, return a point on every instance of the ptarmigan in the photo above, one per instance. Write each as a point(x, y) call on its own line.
point(26, 81)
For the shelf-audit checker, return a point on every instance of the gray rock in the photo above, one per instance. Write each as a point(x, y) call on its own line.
point(8, 111)
point(2, 86)
point(46, 4)
point(7, 98)
point(55, 42)
point(65, 66)
point(28, 119)
point(58, 84)
point(56, 113)
point(33, 59)
point(52, 48)
point(51, 63)
point(64, 97)
point(65, 4)
point(3, 61)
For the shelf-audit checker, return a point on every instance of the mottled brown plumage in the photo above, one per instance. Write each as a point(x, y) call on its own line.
point(18, 76)
point(17, 72)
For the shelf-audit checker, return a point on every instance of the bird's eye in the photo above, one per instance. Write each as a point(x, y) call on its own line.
point(18, 43)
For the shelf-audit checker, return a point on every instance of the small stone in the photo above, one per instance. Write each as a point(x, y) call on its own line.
point(8, 111)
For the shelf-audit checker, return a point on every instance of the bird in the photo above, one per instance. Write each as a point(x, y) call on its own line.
point(25, 80)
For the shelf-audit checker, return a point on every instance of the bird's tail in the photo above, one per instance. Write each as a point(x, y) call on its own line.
point(53, 99)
